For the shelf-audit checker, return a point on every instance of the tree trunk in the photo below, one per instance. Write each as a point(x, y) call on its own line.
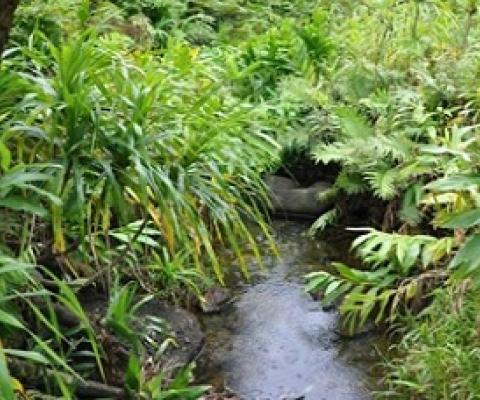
point(7, 9)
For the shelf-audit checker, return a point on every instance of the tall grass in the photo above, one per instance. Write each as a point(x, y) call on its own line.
point(438, 355)
point(149, 138)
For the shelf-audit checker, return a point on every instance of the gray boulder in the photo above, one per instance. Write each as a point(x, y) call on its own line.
point(287, 197)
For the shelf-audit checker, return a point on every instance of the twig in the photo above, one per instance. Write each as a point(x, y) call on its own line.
point(32, 374)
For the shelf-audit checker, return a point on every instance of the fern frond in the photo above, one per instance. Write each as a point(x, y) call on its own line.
point(323, 221)
point(353, 124)
point(409, 211)
point(351, 182)
point(333, 152)
point(383, 182)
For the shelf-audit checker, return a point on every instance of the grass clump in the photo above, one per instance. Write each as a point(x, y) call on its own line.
point(439, 353)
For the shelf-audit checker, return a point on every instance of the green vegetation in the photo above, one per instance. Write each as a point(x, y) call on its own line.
point(404, 102)
point(439, 350)
point(124, 158)
point(134, 138)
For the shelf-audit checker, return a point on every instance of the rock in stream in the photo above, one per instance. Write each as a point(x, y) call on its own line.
point(288, 198)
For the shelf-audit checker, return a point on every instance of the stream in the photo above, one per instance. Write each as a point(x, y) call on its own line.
point(274, 342)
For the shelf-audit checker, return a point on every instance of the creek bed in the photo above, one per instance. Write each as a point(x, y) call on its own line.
point(274, 342)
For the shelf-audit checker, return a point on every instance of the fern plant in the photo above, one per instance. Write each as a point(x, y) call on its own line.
point(401, 271)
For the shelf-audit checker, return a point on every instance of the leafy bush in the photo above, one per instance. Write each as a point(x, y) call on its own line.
point(403, 269)
point(127, 134)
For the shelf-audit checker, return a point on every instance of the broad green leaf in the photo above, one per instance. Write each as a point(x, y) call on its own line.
point(352, 123)
point(464, 219)
point(28, 355)
point(467, 259)
point(22, 204)
point(332, 287)
point(5, 157)
point(14, 178)
point(438, 150)
point(317, 280)
point(411, 256)
point(9, 319)
point(454, 183)
point(6, 390)
point(133, 374)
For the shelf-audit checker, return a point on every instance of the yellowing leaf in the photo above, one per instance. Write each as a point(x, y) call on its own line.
point(194, 52)
point(18, 387)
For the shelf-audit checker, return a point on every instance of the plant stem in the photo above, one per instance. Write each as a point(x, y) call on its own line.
point(416, 17)
point(471, 11)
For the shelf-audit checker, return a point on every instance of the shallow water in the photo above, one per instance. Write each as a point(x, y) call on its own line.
point(274, 342)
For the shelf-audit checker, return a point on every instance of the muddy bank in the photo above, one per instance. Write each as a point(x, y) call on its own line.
point(275, 342)
point(155, 322)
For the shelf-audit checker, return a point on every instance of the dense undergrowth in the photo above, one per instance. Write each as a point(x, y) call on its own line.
point(134, 139)
point(403, 101)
